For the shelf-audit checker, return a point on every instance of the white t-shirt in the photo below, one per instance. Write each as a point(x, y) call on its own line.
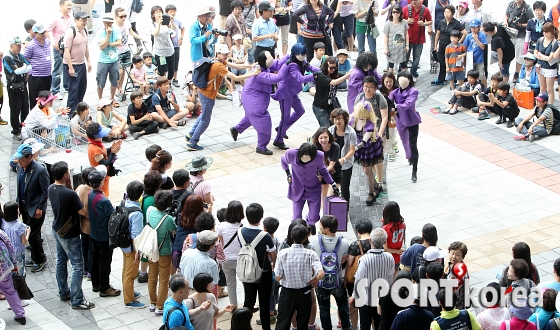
point(227, 230)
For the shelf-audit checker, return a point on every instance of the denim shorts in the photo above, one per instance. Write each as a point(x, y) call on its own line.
point(348, 23)
point(104, 69)
point(170, 113)
point(238, 72)
point(457, 76)
point(505, 70)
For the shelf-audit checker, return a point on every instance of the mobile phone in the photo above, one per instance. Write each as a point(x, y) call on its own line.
point(166, 19)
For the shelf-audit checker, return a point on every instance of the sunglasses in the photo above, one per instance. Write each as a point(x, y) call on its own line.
point(123, 17)
point(332, 67)
point(395, 12)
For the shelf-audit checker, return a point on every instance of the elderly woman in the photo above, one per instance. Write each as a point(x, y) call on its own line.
point(42, 117)
point(529, 73)
point(235, 23)
point(197, 168)
point(319, 17)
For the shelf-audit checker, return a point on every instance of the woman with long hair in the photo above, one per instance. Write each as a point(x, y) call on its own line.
point(161, 163)
point(193, 206)
point(388, 84)
point(521, 250)
point(319, 18)
point(393, 224)
point(325, 91)
point(324, 141)
point(546, 50)
point(396, 39)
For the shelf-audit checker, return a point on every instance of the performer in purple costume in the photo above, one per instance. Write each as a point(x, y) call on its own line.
point(256, 98)
point(304, 184)
point(407, 118)
point(366, 65)
point(293, 77)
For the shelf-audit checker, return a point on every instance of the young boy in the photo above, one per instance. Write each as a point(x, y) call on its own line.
point(316, 61)
point(465, 95)
point(483, 99)
point(505, 105)
point(193, 104)
point(134, 190)
point(151, 69)
point(270, 225)
point(344, 67)
point(455, 54)
point(176, 38)
point(139, 119)
point(475, 42)
point(457, 252)
point(105, 117)
point(139, 75)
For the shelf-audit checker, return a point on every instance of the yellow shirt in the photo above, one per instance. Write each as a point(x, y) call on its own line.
point(453, 314)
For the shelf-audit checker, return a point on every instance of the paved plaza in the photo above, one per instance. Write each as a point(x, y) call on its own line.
point(475, 184)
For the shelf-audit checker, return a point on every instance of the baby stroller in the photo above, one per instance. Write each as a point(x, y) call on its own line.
point(127, 66)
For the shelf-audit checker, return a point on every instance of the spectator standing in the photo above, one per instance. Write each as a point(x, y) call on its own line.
point(462, 319)
point(535, 25)
point(38, 53)
point(325, 90)
point(264, 30)
point(67, 209)
point(16, 68)
point(83, 192)
point(76, 55)
point(227, 232)
point(32, 185)
point(417, 22)
point(175, 312)
point(396, 39)
point(413, 317)
point(443, 39)
point(250, 14)
point(108, 40)
point(387, 307)
point(519, 317)
point(480, 12)
point(200, 34)
point(346, 13)
point(195, 261)
point(86, 6)
point(181, 193)
point(18, 233)
point(202, 285)
point(282, 18)
point(374, 264)
point(123, 51)
point(99, 211)
point(177, 39)
point(492, 317)
point(545, 51)
point(8, 261)
point(414, 255)
point(162, 45)
point(364, 31)
point(235, 23)
point(98, 154)
point(521, 250)
point(345, 136)
point(463, 13)
point(555, 283)
point(57, 29)
point(319, 18)
point(518, 14)
point(476, 42)
point(502, 45)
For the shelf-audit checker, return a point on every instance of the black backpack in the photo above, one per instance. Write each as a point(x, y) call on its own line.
point(556, 113)
point(119, 228)
point(174, 209)
point(165, 324)
point(201, 71)
point(61, 43)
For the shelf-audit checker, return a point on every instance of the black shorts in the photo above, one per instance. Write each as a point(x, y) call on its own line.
point(293, 26)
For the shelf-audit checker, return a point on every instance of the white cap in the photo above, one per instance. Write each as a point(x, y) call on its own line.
point(237, 37)
point(433, 252)
point(222, 49)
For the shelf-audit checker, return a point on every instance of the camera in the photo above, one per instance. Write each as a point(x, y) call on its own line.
point(515, 20)
point(223, 33)
point(165, 19)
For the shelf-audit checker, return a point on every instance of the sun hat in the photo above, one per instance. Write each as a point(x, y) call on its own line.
point(222, 49)
point(199, 163)
point(45, 100)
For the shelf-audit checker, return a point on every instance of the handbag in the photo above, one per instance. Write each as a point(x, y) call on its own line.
point(146, 243)
point(336, 103)
point(511, 32)
point(351, 272)
point(247, 42)
point(20, 285)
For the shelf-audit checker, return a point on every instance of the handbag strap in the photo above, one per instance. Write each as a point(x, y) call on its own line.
point(238, 27)
point(232, 238)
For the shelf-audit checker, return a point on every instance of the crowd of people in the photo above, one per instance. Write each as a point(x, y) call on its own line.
point(200, 259)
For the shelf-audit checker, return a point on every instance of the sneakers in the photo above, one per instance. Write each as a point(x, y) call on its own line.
point(391, 158)
point(396, 149)
point(136, 135)
point(143, 278)
point(121, 136)
point(510, 124)
point(111, 292)
point(135, 305)
point(38, 267)
point(234, 133)
point(94, 14)
point(189, 115)
point(158, 312)
point(483, 115)
point(152, 308)
point(531, 137)
point(281, 146)
point(272, 320)
point(188, 137)
point(194, 146)
point(229, 98)
point(475, 109)
point(446, 111)
point(84, 305)
point(18, 137)
point(500, 120)
point(3, 122)
point(29, 263)
point(175, 83)
point(137, 295)
point(437, 83)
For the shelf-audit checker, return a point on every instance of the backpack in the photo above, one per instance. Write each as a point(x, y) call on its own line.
point(331, 266)
point(137, 6)
point(248, 269)
point(201, 71)
point(165, 324)
point(421, 12)
point(174, 209)
point(119, 226)
point(556, 125)
point(146, 242)
point(62, 44)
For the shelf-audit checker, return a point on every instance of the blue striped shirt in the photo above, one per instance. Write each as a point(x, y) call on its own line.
point(194, 262)
point(40, 57)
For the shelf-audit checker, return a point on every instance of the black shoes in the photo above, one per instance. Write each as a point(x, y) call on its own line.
point(264, 151)
point(369, 202)
point(20, 320)
point(281, 146)
point(510, 124)
point(285, 136)
point(234, 133)
point(414, 178)
point(500, 120)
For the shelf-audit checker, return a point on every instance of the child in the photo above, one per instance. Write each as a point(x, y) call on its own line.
point(80, 121)
point(393, 224)
point(475, 42)
point(99, 155)
point(483, 99)
point(193, 104)
point(465, 95)
point(270, 225)
point(151, 69)
point(455, 54)
point(18, 233)
point(238, 55)
point(343, 67)
point(139, 75)
point(176, 38)
point(369, 150)
point(221, 214)
point(151, 153)
point(28, 26)
point(457, 252)
point(138, 118)
point(505, 105)
point(316, 61)
point(396, 39)
point(202, 284)
point(105, 117)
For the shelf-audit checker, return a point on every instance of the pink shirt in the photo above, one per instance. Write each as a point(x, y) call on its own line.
point(77, 46)
point(517, 324)
point(59, 27)
point(138, 74)
point(202, 188)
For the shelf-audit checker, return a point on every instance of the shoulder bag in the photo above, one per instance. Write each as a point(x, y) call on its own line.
point(351, 272)
point(247, 42)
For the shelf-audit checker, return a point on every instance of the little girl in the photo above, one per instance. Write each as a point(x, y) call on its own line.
point(388, 84)
point(238, 55)
point(18, 233)
point(191, 93)
point(105, 117)
point(80, 120)
point(393, 224)
point(202, 284)
point(396, 39)
point(139, 75)
point(369, 150)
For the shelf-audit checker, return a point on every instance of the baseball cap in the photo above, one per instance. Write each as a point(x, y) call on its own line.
point(475, 23)
point(95, 177)
point(103, 102)
point(38, 28)
point(433, 252)
point(265, 5)
point(543, 97)
point(103, 132)
point(222, 48)
point(22, 151)
point(464, 4)
point(237, 37)
point(80, 14)
point(108, 19)
point(15, 40)
point(207, 237)
point(34, 144)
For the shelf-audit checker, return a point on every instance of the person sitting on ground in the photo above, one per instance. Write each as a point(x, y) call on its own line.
point(464, 96)
point(505, 104)
point(164, 107)
point(485, 106)
point(140, 121)
point(544, 120)
point(491, 318)
point(193, 104)
point(80, 121)
point(105, 117)
point(463, 319)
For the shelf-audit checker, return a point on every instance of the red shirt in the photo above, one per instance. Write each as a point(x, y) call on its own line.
point(417, 34)
point(395, 238)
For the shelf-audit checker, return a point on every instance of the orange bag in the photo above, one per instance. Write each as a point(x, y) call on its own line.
point(524, 99)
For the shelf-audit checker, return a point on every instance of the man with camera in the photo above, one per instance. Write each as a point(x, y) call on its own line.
point(265, 30)
point(518, 13)
point(199, 34)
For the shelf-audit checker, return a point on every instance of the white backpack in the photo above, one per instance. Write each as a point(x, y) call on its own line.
point(248, 269)
point(146, 243)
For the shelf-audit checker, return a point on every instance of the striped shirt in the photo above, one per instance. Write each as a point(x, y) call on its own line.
point(40, 57)
point(451, 54)
point(296, 266)
point(375, 264)
point(194, 262)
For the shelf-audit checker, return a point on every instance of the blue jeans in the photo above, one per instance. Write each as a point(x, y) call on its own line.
point(20, 257)
point(372, 42)
point(323, 116)
point(537, 130)
point(250, 57)
point(337, 35)
point(69, 249)
point(416, 51)
point(203, 121)
point(324, 303)
point(57, 73)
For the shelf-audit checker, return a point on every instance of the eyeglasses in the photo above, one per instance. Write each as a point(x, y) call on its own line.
point(368, 87)
point(123, 16)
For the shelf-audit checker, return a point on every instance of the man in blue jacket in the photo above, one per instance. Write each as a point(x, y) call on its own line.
point(199, 34)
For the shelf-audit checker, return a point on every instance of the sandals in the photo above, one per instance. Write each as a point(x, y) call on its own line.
point(370, 202)
point(181, 122)
point(116, 104)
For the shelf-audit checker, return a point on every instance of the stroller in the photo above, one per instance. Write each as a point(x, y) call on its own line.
point(127, 66)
